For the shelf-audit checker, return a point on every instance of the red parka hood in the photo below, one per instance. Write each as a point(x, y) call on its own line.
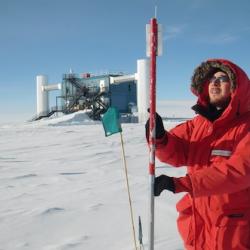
point(240, 98)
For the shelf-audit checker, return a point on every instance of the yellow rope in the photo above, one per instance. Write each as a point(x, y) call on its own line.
point(129, 197)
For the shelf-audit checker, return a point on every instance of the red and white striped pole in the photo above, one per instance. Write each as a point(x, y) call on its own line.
point(153, 53)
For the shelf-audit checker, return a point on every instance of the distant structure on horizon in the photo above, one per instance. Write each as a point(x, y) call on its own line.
point(96, 93)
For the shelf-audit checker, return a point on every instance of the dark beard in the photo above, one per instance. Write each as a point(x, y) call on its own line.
point(221, 104)
point(211, 112)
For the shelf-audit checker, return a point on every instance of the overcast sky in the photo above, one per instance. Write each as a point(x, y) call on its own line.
point(52, 36)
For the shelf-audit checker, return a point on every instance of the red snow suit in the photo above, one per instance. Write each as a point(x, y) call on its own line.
point(215, 214)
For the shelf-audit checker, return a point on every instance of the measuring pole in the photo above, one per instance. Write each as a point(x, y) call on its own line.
point(153, 53)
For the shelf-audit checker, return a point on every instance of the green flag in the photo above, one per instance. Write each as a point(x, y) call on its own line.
point(110, 121)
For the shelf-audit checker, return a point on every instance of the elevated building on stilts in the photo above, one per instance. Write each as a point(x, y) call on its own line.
point(96, 93)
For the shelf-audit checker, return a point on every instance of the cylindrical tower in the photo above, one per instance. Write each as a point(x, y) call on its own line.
point(142, 77)
point(42, 107)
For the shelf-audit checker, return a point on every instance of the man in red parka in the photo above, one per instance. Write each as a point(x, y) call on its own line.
point(215, 147)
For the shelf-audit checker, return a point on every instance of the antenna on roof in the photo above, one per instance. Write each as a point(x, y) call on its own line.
point(155, 11)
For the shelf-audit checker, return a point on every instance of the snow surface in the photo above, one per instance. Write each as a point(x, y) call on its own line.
point(62, 187)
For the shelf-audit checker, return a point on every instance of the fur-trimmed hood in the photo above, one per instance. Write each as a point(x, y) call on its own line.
point(206, 70)
point(240, 83)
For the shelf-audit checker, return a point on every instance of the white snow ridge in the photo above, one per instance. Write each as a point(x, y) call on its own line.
point(63, 187)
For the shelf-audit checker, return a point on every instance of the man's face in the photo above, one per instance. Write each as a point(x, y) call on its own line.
point(219, 90)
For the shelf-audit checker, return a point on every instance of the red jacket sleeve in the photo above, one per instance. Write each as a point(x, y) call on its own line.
point(230, 176)
point(175, 151)
point(183, 184)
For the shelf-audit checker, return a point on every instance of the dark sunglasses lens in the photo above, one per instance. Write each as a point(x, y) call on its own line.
point(224, 79)
point(220, 79)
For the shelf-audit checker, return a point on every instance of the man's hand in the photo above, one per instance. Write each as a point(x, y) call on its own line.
point(159, 128)
point(163, 182)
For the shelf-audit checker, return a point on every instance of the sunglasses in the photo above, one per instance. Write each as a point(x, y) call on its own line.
point(219, 79)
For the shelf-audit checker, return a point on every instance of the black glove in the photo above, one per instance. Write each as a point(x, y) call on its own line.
point(159, 128)
point(163, 182)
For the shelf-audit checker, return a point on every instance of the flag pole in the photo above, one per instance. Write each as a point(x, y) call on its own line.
point(128, 189)
point(153, 53)
point(112, 125)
